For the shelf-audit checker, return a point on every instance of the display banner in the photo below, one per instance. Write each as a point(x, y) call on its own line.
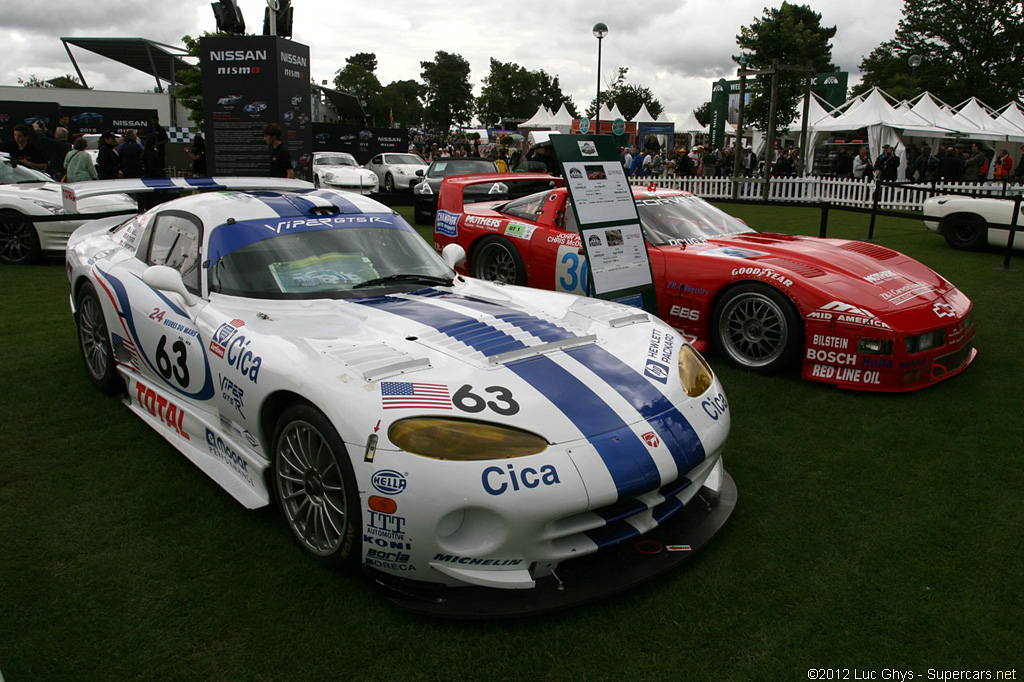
point(248, 82)
point(359, 141)
point(13, 113)
point(609, 225)
point(97, 119)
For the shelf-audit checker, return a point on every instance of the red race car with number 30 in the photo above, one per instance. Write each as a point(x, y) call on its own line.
point(853, 314)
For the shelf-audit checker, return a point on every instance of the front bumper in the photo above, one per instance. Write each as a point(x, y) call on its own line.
point(581, 580)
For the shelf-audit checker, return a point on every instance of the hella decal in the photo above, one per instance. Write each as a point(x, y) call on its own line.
point(497, 481)
point(389, 482)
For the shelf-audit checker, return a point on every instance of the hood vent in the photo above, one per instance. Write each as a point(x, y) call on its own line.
point(378, 361)
point(802, 269)
point(870, 250)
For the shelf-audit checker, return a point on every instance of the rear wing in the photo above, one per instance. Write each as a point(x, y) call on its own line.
point(450, 197)
point(71, 194)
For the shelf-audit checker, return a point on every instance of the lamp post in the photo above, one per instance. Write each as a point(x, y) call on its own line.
point(600, 31)
point(914, 62)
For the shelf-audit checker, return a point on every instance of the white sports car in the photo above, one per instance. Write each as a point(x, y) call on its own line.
point(964, 221)
point(398, 172)
point(339, 170)
point(25, 194)
point(480, 450)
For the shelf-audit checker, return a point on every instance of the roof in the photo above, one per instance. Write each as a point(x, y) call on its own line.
point(157, 59)
point(347, 104)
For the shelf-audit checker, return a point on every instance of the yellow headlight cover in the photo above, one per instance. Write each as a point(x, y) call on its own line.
point(694, 373)
point(463, 439)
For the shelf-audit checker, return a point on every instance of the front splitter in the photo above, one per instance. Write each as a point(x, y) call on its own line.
point(580, 580)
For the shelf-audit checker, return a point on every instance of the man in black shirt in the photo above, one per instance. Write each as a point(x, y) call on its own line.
point(107, 164)
point(280, 159)
point(23, 150)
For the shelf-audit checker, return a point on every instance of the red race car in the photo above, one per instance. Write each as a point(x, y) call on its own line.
point(853, 314)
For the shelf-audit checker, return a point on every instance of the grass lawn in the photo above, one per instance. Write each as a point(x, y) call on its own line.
point(873, 531)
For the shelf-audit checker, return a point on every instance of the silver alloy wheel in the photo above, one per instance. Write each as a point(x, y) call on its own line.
point(753, 329)
point(497, 264)
point(389, 183)
point(311, 488)
point(92, 330)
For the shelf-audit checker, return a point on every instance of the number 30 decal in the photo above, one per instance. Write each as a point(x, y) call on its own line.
point(503, 404)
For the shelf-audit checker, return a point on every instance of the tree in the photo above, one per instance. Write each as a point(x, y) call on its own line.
point(400, 102)
point(793, 34)
point(627, 97)
point(512, 92)
point(966, 49)
point(703, 113)
point(190, 88)
point(449, 96)
point(65, 81)
point(358, 77)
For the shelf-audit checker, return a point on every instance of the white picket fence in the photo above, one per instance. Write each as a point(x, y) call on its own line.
point(839, 192)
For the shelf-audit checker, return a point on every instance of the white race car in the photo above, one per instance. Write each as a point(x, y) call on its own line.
point(964, 221)
point(25, 194)
point(398, 172)
point(480, 450)
point(340, 170)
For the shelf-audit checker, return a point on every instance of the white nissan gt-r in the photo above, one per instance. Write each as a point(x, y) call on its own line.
point(479, 450)
point(26, 195)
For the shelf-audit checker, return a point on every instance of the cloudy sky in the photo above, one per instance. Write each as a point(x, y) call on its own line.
point(677, 48)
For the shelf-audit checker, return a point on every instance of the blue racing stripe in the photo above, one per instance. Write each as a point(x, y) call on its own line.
point(285, 205)
point(542, 329)
point(627, 459)
point(341, 203)
point(670, 425)
point(159, 183)
point(204, 183)
point(612, 534)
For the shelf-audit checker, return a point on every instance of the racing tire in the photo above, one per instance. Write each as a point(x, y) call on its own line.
point(316, 181)
point(94, 342)
point(389, 184)
point(316, 488)
point(19, 241)
point(756, 328)
point(965, 231)
point(496, 259)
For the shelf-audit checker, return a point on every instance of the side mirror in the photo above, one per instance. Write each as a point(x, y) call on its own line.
point(453, 255)
point(419, 173)
point(163, 278)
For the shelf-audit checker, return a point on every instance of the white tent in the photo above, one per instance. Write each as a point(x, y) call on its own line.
point(561, 121)
point(539, 120)
point(1012, 114)
point(643, 116)
point(614, 113)
point(690, 124)
point(972, 112)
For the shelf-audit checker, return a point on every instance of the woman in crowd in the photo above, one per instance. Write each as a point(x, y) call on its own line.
point(78, 165)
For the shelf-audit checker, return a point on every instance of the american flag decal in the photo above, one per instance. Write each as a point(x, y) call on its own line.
point(397, 395)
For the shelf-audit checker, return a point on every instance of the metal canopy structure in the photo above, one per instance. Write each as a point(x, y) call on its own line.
point(347, 104)
point(158, 60)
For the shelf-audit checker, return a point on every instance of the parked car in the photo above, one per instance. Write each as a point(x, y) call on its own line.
point(255, 107)
point(26, 193)
point(339, 170)
point(426, 191)
point(229, 101)
point(88, 118)
point(964, 221)
point(397, 172)
point(849, 313)
point(478, 450)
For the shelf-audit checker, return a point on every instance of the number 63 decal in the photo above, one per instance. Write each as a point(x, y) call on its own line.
point(503, 403)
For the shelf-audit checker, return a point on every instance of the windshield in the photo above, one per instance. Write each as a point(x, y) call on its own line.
point(685, 220)
point(11, 174)
point(325, 262)
point(442, 169)
point(335, 160)
point(404, 158)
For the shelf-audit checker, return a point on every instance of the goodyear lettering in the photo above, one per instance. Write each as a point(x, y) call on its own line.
point(831, 357)
point(237, 55)
point(763, 273)
point(715, 407)
point(830, 341)
point(244, 360)
point(497, 481)
point(473, 561)
point(162, 408)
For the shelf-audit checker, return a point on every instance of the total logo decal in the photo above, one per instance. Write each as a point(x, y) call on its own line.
point(944, 310)
point(447, 223)
point(498, 481)
point(659, 356)
point(847, 314)
point(234, 347)
point(764, 274)
point(162, 408)
point(219, 449)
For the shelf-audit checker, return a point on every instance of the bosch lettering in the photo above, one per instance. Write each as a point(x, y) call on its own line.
point(162, 408)
point(497, 481)
point(244, 360)
point(831, 357)
point(715, 407)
